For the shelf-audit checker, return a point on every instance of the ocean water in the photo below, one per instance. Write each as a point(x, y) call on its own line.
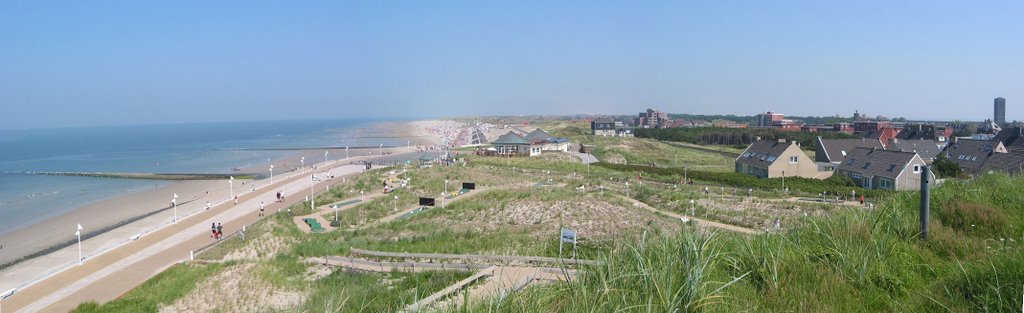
point(26, 199)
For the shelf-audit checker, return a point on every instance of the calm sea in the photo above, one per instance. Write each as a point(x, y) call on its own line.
point(182, 148)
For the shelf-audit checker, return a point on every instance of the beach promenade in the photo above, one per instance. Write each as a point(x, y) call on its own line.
point(134, 260)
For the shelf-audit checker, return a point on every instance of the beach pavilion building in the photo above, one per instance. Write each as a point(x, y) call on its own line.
point(511, 144)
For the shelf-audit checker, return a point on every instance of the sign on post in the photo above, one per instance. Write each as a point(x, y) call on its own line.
point(567, 236)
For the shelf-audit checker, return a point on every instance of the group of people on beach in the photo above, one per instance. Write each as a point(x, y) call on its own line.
point(218, 231)
point(280, 196)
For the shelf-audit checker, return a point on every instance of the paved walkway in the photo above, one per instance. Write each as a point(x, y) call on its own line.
point(109, 275)
point(585, 158)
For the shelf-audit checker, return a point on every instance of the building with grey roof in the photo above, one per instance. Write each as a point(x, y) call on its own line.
point(770, 159)
point(1012, 138)
point(874, 168)
point(1009, 163)
point(835, 150)
point(927, 149)
point(971, 155)
point(511, 144)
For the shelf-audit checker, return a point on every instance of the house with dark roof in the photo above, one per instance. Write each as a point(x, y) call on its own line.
point(511, 144)
point(1009, 163)
point(603, 127)
point(927, 149)
point(770, 159)
point(1012, 138)
point(874, 168)
point(835, 150)
point(925, 132)
point(971, 155)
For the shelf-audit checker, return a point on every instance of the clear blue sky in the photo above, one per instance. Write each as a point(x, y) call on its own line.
point(68, 63)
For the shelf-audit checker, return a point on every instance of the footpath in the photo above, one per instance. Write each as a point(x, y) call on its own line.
point(107, 276)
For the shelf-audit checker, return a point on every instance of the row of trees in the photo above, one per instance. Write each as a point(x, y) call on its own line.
point(734, 136)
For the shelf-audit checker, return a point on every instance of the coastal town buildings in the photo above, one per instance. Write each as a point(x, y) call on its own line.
point(874, 168)
point(778, 158)
point(651, 119)
point(834, 151)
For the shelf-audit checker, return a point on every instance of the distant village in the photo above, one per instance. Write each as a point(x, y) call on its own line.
point(882, 153)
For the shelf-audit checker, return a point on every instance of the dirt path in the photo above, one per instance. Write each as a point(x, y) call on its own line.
point(108, 276)
point(700, 222)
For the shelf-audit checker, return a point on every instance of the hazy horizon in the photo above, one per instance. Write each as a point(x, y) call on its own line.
point(126, 63)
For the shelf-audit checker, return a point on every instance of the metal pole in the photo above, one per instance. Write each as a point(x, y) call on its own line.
point(925, 200)
point(79, 233)
point(271, 174)
point(231, 182)
point(312, 200)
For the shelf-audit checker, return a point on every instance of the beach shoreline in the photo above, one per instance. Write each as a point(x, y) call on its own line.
point(149, 208)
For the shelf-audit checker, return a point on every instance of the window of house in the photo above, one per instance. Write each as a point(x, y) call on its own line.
point(843, 151)
point(856, 176)
point(917, 169)
point(892, 167)
point(794, 159)
point(849, 162)
point(885, 184)
point(866, 165)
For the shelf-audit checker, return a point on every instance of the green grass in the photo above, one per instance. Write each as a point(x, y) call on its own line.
point(376, 292)
point(854, 261)
point(164, 288)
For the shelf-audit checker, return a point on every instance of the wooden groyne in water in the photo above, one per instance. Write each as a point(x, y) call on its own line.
point(153, 176)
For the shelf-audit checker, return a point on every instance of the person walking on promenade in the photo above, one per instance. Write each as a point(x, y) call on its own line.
point(220, 231)
point(213, 228)
point(236, 200)
point(207, 205)
point(261, 208)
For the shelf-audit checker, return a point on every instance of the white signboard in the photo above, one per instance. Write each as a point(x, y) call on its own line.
point(568, 235)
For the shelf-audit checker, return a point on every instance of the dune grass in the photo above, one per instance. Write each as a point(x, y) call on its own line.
point(163, 289)
point(854, 261)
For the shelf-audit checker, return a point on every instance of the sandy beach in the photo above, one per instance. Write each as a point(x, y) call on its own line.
point(39, 273)
point(126, 210)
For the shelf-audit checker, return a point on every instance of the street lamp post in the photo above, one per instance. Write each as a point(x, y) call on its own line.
point(381, 149)
point(396, 203)
point(325, 154)
point(445, 195)
point(312, 199)
point(346, 152)
point(271, 174)
point(78, 233)
point(231, 184)
point(174, 204)
point(302, 164)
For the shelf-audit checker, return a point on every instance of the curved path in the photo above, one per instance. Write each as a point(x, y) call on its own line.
point(700, 222)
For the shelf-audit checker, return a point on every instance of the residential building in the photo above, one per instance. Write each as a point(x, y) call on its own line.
point(1009, 163)
point(925, 132)
point(651, 119)
point(862, 126)
point(835, 150)
point(770, 159)
point(1012, 138)
point(603, 127)
point(999, 116)
point(971, 155)
point(884, 134)
point(768, 119)
point(874, 168)
point(926, 149)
